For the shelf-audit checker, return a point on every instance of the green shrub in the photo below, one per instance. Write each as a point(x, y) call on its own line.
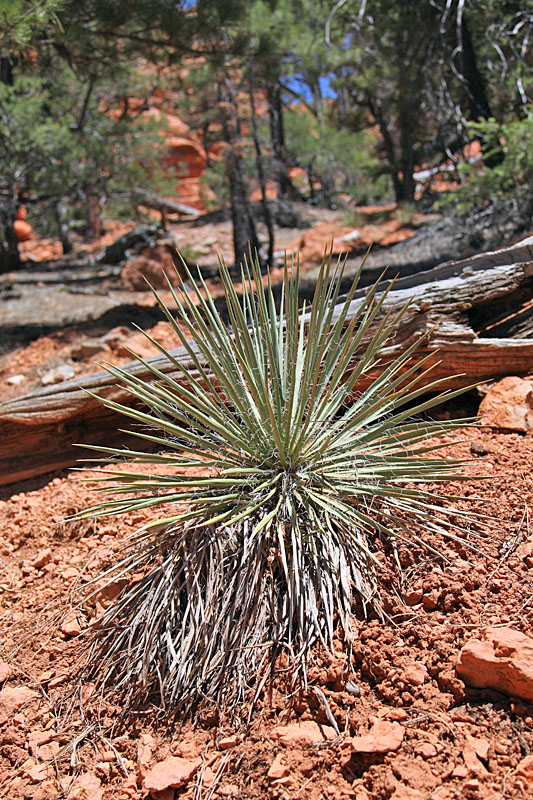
point(307, 479)
point(512, 177)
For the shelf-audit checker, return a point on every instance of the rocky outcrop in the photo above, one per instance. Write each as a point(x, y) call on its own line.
point(501, 659)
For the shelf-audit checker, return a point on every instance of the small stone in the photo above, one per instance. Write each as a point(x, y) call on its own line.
point(404, 792)
point(508, 405)
point(12, 699)
point(6, 671)
point(48, 751)
point(87, 349)
point(426, 750)
point(395, 714)
point(415, 674)
point(481, 746)
point(173, 772)
point(382, 737)
point(43, 557)
point(353, 688)
point(228, 790)
point(57, 375)
point(502, 659)
point(37, 773)
point(228, 742)
point(413, 598)
point(477, 449)
point(524, 769)
point(71, 626)
point(460, 771)
point(472, 762)
point(16, 380)
point(278, 768)
point(86, 787)
point(430, 601)
point(302, 733)
point(55, 682)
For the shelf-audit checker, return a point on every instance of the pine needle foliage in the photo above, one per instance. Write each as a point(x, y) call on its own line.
point(301, 476)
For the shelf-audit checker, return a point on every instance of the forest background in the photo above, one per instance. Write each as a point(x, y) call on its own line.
point(334, 103)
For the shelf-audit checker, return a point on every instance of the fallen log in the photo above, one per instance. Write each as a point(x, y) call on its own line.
point(455, 304)
point(165, 206)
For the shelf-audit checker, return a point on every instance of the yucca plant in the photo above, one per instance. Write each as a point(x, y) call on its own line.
point(304, 478)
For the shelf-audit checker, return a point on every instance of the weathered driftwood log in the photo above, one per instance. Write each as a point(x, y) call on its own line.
point(165, 206)
point(455, 303)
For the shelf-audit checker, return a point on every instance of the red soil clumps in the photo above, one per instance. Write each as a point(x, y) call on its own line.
point(409, 726)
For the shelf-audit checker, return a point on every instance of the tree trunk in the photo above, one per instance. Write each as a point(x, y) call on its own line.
point(407, 156)
point(377, 112)
point(261, 171)
point(9, 246)
point(244, 232)
point(62, 227)
point(478, 101)
point(94, 219)
point(286, 216)
point(6, 70)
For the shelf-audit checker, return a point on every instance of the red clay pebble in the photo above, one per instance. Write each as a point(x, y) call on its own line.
point(278, 768)
point(228, 742)
point(171, 773)
point(502, 659)
point(404, 792)
point(426, 750)
point(382, 737)
point(43, 557)
point(71, 626)
point(508, 405)
point(86, 787)
point(430, 601)
point(415, 674)
point(12, 699)
point(302, 733)
point(6, 671)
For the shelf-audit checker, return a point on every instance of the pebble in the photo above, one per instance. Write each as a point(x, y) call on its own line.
point(278, 768)
point(302, 733)
point(43, 557)
point(426, 750)
point(477, 449)
point(173, 772)
point(415, 674)
point(228, 742)
point(6, 671)
point(86, 787)
point(71, 626)
point(16, 380)
point(383, 737)
point(57, 375)
point(12, 699)
point(352, 688)
point(501, 659)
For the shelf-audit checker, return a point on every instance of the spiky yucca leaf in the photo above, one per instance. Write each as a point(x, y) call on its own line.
point(268, 550)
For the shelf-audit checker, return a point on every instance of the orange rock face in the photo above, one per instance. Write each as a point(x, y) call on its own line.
point(23, 230)
point(502, 659)
point(508, 405)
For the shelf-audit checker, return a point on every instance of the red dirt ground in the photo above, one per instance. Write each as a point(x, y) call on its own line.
point(43, 749)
